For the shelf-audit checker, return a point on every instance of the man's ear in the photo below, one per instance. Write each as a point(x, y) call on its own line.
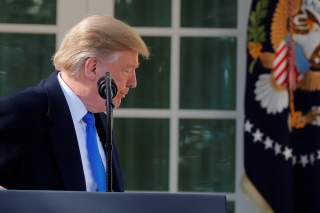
point(90, 67)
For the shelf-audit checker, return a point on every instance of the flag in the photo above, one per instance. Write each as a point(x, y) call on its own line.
point(282, 106)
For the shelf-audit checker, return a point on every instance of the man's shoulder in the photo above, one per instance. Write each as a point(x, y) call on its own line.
point(32, 99)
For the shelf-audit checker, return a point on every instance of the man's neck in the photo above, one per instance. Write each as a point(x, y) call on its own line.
point(78, 85)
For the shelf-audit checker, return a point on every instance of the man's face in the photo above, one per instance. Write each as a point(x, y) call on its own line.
point(122, 67)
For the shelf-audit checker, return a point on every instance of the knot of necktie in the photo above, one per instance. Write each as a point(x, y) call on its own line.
point(89, 118)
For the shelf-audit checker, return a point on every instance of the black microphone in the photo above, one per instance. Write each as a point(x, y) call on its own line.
point(102, 84)
point(108, 89)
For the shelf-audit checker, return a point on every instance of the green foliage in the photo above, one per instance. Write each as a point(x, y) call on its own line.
point(256, 31)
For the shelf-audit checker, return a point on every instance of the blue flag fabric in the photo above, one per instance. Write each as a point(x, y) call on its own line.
point(282, 128)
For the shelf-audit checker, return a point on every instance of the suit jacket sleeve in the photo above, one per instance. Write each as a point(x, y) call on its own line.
point(10, 146)
point(18, 127)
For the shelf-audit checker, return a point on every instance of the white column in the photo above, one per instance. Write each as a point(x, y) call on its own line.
point(101, 7)
point(69, 13)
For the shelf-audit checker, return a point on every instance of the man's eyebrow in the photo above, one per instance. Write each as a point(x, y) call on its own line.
point(133, 65)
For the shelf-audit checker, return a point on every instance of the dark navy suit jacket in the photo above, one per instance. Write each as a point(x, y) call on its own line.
point(38, 143)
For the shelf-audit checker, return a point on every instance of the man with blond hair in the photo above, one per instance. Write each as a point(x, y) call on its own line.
point(52, 135)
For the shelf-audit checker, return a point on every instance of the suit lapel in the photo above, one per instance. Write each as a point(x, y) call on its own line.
point(63, 136)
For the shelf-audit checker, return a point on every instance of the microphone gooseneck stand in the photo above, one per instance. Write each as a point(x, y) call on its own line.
point(108, 89)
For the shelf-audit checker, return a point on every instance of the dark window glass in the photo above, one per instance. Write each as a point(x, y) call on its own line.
point(209, 13)
point(230, 207)
point(208, 73)
point(155, 13)
point(207, 155)
point(25, 59)
point(28, 11)
point(144, 152)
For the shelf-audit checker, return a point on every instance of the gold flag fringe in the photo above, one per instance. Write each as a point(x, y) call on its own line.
point(253, 194)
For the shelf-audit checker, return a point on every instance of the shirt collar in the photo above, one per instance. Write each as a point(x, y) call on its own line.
point(76, 106)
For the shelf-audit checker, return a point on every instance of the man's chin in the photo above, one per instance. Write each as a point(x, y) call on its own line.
point(117, 103)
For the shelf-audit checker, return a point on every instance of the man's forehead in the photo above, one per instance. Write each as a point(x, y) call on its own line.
point(111, 57)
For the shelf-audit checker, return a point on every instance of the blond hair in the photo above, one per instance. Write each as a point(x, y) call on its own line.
point(96, 36)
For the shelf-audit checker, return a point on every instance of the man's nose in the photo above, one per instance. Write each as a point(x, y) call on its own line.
point(132, 82)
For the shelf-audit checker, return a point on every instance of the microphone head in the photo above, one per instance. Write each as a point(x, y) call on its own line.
point(102, 87)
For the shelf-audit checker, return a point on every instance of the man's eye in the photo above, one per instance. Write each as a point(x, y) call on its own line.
point(128, 70)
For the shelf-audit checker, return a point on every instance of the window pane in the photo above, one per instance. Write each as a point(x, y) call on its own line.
point(230, 207)
point(207, 155)
point(28, 11)
point(143, 146)
point(153, 77)
point(208, 73)
point(144, 12)
point(209, 13)
point(24, 60)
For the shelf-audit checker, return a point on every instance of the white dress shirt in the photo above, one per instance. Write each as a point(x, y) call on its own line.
point(78, 111)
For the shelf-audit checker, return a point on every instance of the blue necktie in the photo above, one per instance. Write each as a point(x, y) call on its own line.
point(95, 160)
